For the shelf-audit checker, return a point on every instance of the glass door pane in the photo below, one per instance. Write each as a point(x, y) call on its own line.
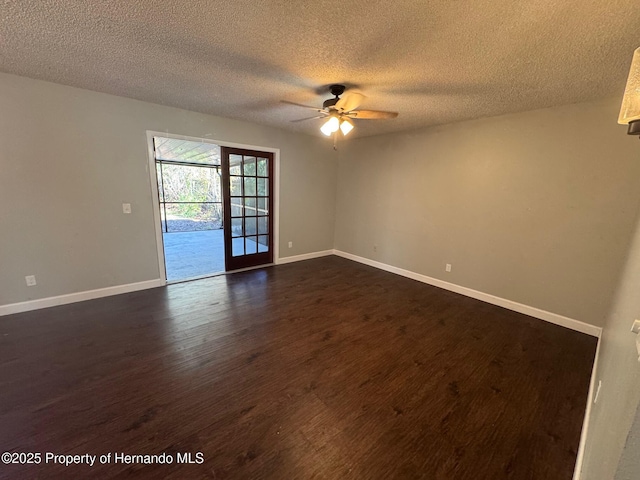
point(247, 178)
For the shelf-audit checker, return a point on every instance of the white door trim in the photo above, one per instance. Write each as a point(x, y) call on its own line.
point(153, 182)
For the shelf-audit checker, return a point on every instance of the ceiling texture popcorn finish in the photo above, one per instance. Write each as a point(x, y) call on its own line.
point(434, 62)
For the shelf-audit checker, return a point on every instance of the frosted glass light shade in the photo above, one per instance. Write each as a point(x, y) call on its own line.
point(346, 126)
point(630, 110)
point(330, 126)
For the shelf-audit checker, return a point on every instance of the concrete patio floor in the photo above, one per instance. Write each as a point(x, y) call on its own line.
point(196, 254)
point(193, 254)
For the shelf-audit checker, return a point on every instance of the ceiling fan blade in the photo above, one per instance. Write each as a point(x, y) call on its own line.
point(371, 114)
point(307, 118)
point(350, 101)
point(301, 105)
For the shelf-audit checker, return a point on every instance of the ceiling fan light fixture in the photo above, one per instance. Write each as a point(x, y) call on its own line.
point(338, 113)
point(346, 126)
point(330, 126)
point(630, 110)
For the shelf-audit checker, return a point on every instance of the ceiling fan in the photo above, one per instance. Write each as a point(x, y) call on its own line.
point(340, 112)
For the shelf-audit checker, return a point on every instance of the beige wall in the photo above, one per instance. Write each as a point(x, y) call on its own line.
point(537, 208)
point(69, 158)
point(619, 371)
point(629, 466)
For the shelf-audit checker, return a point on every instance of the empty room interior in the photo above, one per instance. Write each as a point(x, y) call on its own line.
point(326, 240)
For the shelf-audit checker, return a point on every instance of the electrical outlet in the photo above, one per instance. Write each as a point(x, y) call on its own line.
point(448, 267)
point(31, 280)
point(126, 208)
point(290, 244)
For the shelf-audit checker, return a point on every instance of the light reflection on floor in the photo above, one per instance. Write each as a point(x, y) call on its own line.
point(203, 319)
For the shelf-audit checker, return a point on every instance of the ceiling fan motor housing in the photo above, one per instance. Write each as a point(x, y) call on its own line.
point(337, 90)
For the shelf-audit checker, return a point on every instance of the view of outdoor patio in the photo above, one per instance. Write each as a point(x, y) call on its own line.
point(193, 254)
point(190, 196)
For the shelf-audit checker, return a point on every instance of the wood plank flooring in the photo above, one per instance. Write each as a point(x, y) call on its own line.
point(322, 369)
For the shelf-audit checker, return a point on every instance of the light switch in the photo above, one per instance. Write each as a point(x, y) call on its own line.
point(126, 208)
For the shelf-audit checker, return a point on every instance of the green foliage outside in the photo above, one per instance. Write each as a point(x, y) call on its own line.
point(190, 187)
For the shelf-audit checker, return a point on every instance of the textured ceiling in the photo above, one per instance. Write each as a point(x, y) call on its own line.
point(432, 61)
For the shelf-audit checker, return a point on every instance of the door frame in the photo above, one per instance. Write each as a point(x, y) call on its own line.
point(153, 183)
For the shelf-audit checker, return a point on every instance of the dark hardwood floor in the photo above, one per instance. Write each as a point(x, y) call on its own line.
point(321, 369)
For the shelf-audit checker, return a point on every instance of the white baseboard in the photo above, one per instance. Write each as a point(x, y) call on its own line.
point(305, 256)
point(77, 297)
point(117, 290)
point(577, 472)
point(485, 297)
